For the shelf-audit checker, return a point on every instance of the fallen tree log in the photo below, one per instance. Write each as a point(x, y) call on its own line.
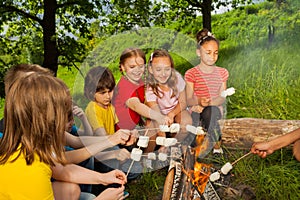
point(242, 132)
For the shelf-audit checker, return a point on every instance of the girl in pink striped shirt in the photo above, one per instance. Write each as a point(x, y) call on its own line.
point(204, 85)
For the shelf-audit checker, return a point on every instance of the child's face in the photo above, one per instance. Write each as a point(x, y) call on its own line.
point(69, 125)
point(208, 53)
point(134, 68)
point(103, 98)
point(161, 69)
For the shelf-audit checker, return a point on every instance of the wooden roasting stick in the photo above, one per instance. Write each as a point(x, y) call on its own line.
point(237, 160)
point(131, 164)
point(147, 129)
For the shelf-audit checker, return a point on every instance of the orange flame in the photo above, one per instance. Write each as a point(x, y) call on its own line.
point(201, 175)
point(202, 145)
point(201, 170)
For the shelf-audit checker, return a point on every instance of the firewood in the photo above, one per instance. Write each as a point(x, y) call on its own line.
point(242, 132)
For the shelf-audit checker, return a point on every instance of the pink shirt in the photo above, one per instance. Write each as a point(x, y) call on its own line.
point(166, 103)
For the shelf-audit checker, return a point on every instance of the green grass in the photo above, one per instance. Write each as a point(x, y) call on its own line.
point(276, 177)
point(150, 186)
point(68, 75)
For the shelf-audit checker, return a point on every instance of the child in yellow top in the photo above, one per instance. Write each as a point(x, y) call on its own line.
point(36, 110)
point(98, 88)
point(37, 175)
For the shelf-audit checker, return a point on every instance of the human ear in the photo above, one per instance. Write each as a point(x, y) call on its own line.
point(150, 69)
point(198, 52)
point(122, 67)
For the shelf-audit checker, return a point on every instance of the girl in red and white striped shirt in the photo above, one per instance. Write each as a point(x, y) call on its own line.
point(204, 85)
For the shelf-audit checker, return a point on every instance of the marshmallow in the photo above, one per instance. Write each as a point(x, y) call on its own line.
point(164, 128)
point(226, 168)
point(160, 141)
point(195, 130)
point(200, 131)
point(143, 141)
point(136, 154)
point(214, 176)
point(228, 92)
point(151, 156)
point(162, 156)
point(175, 128)
point(191, 129)
point(170, 142)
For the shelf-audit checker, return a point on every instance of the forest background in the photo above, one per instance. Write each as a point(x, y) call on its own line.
point(259, 47)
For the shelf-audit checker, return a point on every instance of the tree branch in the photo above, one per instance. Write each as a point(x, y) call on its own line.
point(195, 4)
point(21, 12)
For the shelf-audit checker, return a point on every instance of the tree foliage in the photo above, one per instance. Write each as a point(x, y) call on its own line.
point(48, 30)
point(123, 15)
point(186, 10)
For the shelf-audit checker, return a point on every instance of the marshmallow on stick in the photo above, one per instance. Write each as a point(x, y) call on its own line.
point(136, 154)
point(160, 141)
point(170, 142)
point(164, 128)
point(143, 141)
point(226, 168)
point(174, 128)
point(151, 156)
point(195, 130)
point(228, 92)
point(165, 141)
point(162, 156)
point(214, 176)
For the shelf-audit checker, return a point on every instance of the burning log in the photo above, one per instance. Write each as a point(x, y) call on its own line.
point(188, 179)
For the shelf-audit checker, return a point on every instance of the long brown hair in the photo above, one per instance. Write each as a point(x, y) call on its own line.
point(35, 114)
point(172, 81)
point(13, 73)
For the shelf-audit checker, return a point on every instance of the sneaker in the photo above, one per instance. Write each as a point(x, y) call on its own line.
point(218, 151)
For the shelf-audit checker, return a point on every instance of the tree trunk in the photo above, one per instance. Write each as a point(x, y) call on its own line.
point(242, 132)
point(50, 46)
point(206, 14)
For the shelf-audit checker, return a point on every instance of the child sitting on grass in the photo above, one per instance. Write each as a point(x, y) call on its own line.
point(205, 84)
point(98, 88)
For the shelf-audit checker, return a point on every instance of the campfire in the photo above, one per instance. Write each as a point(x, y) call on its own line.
point(191, 179)
point(201, 171)
point(201, 175)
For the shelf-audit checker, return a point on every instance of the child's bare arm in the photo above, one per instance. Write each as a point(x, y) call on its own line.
point(100, 132)
point(219, 100)
point(87, 129)
point(119, 154)
point(76, 174)
point(180, 106)
point(265, 148)
point(191, 99)
point(145, 111)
